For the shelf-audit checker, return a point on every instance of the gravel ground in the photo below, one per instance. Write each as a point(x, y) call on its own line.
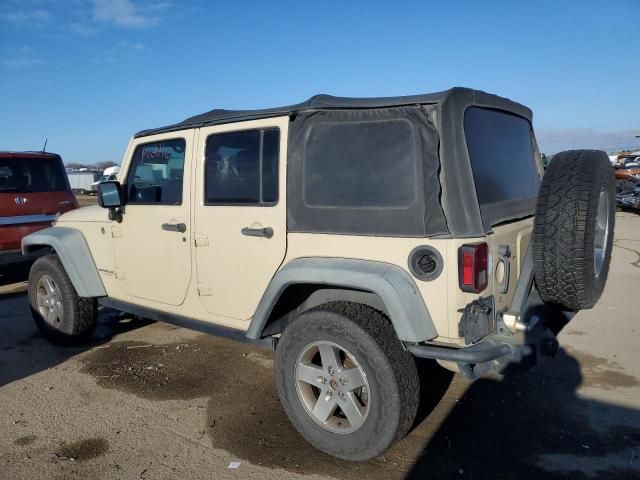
point(150, 401)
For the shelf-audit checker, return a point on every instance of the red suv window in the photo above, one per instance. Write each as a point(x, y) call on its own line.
point(30, 175)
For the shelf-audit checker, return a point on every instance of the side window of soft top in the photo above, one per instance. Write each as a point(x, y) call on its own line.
point(156, 173)
point(241, 168)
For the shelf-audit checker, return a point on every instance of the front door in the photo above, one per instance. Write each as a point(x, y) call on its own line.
point(240, 215)
point(151, 245)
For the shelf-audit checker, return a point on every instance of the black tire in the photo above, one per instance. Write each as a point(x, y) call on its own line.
point(394, 385)
point(80, 314)
point(564, 234)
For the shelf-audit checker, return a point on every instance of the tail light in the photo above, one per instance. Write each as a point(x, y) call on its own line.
point(473, 275)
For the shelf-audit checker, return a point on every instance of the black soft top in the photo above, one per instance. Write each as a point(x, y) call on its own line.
point(329, 102)
point(446, 202)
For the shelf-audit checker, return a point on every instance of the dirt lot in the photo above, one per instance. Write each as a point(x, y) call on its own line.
point(150, 401)
point(86, 200)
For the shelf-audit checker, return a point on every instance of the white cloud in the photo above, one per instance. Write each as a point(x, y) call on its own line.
point(159, 7)
point(24, 18)
point(21, 62)
point(125, 13)
point(85, 18)
point(23, 50)
point(82, 29)
point(20, 57)
point(137, 46)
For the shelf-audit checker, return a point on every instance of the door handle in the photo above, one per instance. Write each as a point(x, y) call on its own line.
point(266, 232)
point(174, 227)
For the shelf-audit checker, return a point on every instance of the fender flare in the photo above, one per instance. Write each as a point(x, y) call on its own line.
point(395, 287)
point(73, 251)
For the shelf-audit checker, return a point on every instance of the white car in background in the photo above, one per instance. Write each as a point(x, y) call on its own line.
point(109, 174)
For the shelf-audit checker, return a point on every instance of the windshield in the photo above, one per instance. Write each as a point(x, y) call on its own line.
point(29, 175)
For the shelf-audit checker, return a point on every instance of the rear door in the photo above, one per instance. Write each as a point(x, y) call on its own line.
point(240, 214)
point(32, 191)
point(506, 173)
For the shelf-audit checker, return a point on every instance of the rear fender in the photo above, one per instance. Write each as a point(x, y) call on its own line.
point(394, 286)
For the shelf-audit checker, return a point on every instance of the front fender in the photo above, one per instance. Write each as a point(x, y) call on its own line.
point(73, 251)
point(399, 293)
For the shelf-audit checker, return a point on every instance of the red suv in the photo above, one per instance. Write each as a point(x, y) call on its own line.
point(33, 189)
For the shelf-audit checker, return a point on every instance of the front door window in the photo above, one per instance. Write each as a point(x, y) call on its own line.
point(156, 173)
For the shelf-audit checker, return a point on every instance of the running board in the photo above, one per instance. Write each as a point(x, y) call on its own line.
point(188, 323)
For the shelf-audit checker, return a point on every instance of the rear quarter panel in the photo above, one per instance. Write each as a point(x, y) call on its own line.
point(395, 251)
point(442, 296)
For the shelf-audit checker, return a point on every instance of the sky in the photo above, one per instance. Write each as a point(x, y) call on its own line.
point(88, 74)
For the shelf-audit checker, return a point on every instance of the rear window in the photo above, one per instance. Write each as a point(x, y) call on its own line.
point(502, 156)
point(360, 164)
point(30, 175)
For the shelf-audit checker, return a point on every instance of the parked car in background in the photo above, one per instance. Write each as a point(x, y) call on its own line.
point(33, 191)
point(628, 170)
point(82, 181)
point(627, 160)
point(109, 175)
point(628, 193)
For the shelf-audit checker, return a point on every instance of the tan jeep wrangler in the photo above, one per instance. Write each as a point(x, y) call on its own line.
point(350, 235)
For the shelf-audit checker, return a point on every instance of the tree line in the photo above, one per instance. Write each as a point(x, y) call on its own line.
point(98, 166)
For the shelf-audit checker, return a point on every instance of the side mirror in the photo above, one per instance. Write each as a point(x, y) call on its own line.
point(109, 197)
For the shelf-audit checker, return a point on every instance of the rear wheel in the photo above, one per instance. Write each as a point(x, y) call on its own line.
point(573, 231)
point(61, 315)
point(345, 381)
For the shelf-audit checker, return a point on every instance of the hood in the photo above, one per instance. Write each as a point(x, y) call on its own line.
point(94, 213)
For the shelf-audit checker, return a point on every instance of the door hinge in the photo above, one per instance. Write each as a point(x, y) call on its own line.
point(201, 240)
point(204, 290)
point(504, 255)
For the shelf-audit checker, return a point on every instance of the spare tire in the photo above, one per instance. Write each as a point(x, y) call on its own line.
point(573, 229)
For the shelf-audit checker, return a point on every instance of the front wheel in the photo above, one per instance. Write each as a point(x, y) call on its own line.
point(61, 315)
point(345, 381)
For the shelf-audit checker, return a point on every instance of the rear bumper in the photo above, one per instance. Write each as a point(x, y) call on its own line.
point(495, 352)
point(478, 353)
